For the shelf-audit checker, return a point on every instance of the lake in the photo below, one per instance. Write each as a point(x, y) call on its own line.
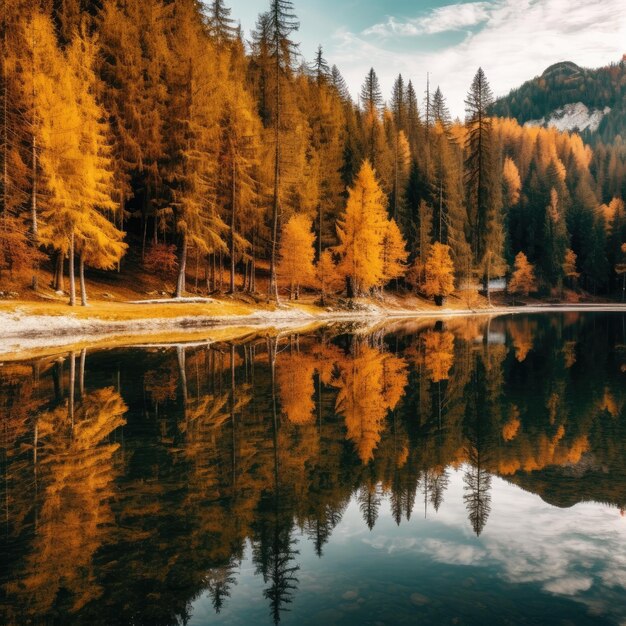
point(470, 471)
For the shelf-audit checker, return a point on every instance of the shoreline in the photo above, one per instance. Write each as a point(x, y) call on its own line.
point(27, 332)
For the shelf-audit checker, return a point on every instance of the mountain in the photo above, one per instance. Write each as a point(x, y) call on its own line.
point(572, 98)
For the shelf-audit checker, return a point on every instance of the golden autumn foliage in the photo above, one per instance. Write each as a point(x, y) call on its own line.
point(296, 387)
point(439, 270)
point(296, 254)
point(361, 232)
point(523, 279)
point(512, 181)
point(569, 265)
point(368, 386)
point(438, 354)
point(394, 252)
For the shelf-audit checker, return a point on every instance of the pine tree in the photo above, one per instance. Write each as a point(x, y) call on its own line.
point(220, 24)
point(281, 25)
point(371, 95)
point(482, 181)
point(399, 105)
point(321, 69)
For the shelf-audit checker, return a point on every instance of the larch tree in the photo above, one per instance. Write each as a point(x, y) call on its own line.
point(328, 279)
point(361, 231)
point(394, 253)
point(483, 190)
point(77, 164)
point(570, 271)
point(193, 136)
point(296, 254)
point(135, 55)
point(523, 280)
point(439, 270)
point(237, 166)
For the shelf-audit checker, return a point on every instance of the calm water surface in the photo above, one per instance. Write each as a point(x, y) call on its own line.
point(468, 472)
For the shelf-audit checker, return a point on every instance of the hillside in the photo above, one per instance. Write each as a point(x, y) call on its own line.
point(569, 97)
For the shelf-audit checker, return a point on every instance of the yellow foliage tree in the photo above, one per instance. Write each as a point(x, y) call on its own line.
point(512, 181)
point(438, 354)
point(297, 251)
point(523, 280)
point(361, 233)
point(326, 274)
point(439, 269)
point(394, 252)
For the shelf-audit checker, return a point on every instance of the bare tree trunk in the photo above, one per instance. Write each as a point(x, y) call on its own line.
point(81, 272)
point(180, 285)
point(71, 272)
point(81, 377)
point(233, 208)
point(70, 406)
point(33, 212)
point(221, 272)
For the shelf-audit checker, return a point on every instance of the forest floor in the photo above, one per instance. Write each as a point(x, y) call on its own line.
point(122, 311)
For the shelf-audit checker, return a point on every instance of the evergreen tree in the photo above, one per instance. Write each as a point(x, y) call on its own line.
point(482, 181)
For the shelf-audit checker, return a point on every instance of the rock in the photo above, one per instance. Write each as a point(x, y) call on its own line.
point(350, 595)
point(418, 599)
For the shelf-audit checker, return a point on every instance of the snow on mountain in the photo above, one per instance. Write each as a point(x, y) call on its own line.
point(573, 117)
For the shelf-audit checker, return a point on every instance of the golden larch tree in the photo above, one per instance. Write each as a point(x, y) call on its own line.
point(439, 270)
point(523, 280)
point(361, 233)
point(296, 254)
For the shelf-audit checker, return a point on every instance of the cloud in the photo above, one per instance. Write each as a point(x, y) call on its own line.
point(452, 17)
point(516, 41)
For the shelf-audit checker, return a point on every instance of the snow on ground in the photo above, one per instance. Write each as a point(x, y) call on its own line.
point(196, 300)
point(575, 116)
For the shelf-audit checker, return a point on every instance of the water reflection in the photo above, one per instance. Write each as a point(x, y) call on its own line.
point(138, 485)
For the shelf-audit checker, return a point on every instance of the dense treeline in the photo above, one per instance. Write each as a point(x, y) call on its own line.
point(566, 83)
point(174, 461)
point(154, 127)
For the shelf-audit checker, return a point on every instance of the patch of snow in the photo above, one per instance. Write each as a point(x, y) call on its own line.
point(190, 300)
point(571, 117)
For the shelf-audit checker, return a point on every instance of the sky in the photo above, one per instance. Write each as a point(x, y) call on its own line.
point(512, 40)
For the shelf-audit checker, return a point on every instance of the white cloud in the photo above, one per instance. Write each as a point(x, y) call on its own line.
point(517, 40)
point(452, 17)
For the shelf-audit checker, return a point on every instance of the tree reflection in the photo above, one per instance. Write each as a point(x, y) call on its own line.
point(132, 481)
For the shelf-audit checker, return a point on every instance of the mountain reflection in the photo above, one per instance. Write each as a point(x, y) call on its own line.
point(133, 481)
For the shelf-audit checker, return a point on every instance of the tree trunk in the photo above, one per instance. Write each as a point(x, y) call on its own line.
point(81, 272)
point(70, 405)
point(71, 272)
point(81, 377)
point(233, 208)
point(180, 285)
point(273, 285)
point(33, 212)
point(349, 287)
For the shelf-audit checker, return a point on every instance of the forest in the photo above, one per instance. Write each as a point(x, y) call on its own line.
point(265, 443)
point(155, 136)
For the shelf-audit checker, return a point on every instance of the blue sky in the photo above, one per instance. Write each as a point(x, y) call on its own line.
point(513, 40)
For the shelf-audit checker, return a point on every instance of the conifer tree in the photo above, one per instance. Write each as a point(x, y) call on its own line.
point(296, 255)
point(523, 279)
point(482, 180)
point(221, 25)
point(439, 270)
point(281, 24)
point(361, 231)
